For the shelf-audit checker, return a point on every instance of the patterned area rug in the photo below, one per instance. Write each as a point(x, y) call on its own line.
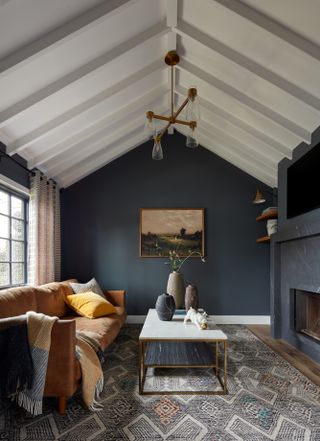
point(268, 400)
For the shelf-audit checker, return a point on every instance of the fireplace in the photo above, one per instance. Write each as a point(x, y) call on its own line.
point(307, 313)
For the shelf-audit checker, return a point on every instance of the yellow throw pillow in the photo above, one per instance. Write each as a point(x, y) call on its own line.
point(90, 305)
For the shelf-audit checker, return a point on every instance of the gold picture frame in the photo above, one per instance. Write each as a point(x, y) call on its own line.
point(171, 229)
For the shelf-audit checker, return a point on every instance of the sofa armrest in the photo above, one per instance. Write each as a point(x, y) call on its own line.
point(62, 373)
point(116, 297)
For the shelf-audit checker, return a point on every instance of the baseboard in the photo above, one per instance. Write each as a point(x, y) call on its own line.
point(136, 319)
point(218, 319)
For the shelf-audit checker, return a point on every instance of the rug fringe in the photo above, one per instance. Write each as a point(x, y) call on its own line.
point(30, 405)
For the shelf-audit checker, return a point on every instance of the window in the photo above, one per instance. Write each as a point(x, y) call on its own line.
point(13, 238)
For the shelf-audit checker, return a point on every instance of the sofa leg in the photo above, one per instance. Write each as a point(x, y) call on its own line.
point(62, 403)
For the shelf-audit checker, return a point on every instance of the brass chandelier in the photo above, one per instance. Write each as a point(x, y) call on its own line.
point(191, 115)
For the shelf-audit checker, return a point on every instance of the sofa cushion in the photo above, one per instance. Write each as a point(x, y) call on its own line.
point(90, 304)
point(92, 285)
point(103, 329)
point(17, 301)
point(50, 298)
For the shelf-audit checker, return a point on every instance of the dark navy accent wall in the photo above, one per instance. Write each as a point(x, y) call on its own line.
point(11, 170)
point(100, 228)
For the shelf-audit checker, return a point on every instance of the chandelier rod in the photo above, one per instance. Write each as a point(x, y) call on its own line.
point(172, 96)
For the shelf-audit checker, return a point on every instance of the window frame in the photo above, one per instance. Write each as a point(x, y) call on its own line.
point(25, 199)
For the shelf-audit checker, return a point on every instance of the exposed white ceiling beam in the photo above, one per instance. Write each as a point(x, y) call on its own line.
point(84, 169)
point(232, 145)
point(232, 135)
point(272, 26)
point(244, 138)
point(273, 115)
point(133, 107)
point(64, 32)
point(99, 141)
point(256, 153)
point(186, 30)
point(86, 150)
point(236, 159)
point(5, 138)
point(235, 120)
point(13, 112)
point(21, 143)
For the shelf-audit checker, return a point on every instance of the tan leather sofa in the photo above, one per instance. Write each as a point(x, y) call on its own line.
point(63, 374)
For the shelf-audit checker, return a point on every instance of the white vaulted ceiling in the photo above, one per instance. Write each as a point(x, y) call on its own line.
point(76, 77)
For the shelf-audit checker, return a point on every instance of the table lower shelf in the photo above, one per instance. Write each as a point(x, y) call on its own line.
point(182, 354)
point(173, 354)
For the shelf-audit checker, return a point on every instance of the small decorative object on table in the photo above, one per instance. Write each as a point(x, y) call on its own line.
point(197, 318)
point(176, 285)
point(191, 299)
point(165, 306)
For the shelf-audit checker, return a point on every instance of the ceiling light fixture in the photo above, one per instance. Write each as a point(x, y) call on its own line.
point(192, 114)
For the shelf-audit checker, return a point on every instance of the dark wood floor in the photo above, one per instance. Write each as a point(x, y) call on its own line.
point(300, 361)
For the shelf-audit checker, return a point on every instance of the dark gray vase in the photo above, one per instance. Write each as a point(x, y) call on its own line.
point(165, 306)
point(191, 299)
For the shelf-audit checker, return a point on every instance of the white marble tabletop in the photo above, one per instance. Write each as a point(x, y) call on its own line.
point(155, 329)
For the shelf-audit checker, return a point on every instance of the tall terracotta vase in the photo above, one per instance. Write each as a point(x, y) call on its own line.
point(176, 287)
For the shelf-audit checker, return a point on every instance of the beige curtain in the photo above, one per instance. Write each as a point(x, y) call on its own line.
point(44, 231)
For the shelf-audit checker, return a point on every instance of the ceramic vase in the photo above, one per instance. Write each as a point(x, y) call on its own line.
point(165, 306)
point(176, 287)
point(191, 299)
point(272, 225)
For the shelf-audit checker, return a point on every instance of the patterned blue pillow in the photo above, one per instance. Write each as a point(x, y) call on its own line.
point(92, 285)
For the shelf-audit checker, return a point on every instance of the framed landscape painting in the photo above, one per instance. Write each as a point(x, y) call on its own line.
point(171, 229)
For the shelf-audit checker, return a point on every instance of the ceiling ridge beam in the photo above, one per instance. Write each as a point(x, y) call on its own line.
point(87, 150)
point(64, 32)
point(242, 125)
point(248, 101)
point(186, 30)
point(272, 26)
point(12, 112)
point(73, 175)
point(21, 143)
point(235, 159)
point(104, 123)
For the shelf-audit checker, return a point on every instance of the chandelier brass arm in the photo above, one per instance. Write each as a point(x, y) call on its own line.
point(192, 114)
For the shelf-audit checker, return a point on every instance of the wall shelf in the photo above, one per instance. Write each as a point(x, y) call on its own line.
point(263, 239)
point(272, 214)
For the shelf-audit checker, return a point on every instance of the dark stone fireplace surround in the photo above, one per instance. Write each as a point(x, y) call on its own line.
point(295, 265)
point(295, 261)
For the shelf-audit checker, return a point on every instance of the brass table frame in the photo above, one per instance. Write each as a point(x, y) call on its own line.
point(143, 367)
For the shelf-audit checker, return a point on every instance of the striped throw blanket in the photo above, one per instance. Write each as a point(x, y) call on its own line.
point(16, 368)
point(92, 375)
point(39, 335)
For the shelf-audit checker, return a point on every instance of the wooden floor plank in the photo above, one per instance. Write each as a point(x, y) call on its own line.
point(298, 359)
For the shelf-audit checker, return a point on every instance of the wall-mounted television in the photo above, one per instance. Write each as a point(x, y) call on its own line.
point(303, 184)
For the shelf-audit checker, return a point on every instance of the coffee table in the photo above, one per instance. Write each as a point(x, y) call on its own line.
point(171, 344)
